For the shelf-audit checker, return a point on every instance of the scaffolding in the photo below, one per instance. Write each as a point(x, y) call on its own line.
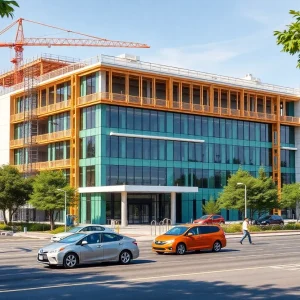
point(29, 155)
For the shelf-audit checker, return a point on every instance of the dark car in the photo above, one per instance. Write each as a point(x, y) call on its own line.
point(269, 220)
point(210, 219)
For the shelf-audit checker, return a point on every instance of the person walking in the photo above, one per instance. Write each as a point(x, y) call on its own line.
point(246, 232)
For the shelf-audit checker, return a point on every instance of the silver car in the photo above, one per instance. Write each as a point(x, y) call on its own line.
point(89, 247)
point(92, 227)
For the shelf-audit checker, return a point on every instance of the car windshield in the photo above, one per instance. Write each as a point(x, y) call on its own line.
point(264, 218)
point(75, 229)
point(204, 217)
point(177, 230)
point(73, 238)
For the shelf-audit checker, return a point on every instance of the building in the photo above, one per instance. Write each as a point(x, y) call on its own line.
point(145, 142)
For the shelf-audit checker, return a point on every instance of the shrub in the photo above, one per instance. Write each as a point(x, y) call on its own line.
point(232, 228)
point(60, 229)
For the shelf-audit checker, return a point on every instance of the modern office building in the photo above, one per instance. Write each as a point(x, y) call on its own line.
point(143, 141)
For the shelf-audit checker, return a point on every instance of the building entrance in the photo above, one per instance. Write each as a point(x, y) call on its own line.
point(139, 213)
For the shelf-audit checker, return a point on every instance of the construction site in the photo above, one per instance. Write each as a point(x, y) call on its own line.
point(138, 140)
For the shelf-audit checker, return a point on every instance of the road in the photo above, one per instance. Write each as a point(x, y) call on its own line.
point(270, 269)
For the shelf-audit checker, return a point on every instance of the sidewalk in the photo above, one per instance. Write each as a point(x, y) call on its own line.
point(144, 236)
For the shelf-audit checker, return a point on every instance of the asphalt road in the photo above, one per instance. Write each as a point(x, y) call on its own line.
point(270, 269)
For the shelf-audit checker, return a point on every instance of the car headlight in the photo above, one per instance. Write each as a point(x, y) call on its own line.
point(57, 250)
point(170, 242)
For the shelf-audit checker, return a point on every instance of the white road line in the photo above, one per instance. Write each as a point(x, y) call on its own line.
point(134, 279)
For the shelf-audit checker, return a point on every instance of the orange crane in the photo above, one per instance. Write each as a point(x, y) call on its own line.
point(89, 41)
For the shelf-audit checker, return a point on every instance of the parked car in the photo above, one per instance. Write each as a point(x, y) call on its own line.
point(89, 247)
point(269, 220)
point(94, 227)
point(210, 219)
point(181, 239)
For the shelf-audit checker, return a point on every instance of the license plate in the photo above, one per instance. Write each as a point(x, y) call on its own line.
point(41, 257)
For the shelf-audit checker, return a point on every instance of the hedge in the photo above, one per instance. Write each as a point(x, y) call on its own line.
point(236, 228)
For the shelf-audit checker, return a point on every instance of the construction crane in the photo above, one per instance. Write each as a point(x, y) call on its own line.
point(21, 42)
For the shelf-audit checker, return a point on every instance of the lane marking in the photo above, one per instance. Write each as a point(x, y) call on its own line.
point(133, 279)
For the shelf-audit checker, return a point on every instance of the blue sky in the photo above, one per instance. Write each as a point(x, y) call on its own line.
point(227, 37)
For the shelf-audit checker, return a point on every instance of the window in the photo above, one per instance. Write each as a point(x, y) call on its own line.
point(88, 118)
point(91, 84)
point(90, 146)
point(90, 176)
point(94, 238)
point(176, 125)
point(60, 89)
point(44, 98)
point(88, 208)
point(110, 237)
point(51, 95)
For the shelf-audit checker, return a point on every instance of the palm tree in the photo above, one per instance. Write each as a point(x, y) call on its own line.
point(6, 8)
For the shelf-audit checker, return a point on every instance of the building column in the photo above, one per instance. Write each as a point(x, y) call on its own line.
point(173, 208)
point(123, 208)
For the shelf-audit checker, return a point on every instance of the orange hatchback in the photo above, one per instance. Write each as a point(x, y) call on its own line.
point(183, 238)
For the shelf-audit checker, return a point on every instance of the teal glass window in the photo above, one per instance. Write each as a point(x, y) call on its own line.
point(90, 146)
point(153, 121)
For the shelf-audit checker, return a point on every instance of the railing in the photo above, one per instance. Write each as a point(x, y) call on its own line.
point(43, 110)
point(53, 136)
point(161, 69)
point(153, 224)
point(63, 163)
point(42, 138)
point(290, 119)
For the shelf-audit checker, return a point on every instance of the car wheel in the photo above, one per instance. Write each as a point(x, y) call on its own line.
point(160, 253)
point(217, 247)
point(71, 260)
point(180, 249)
point(125, 257)
point(281, 223)
point(222, 223)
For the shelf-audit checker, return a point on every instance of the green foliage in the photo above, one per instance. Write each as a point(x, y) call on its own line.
point(14, 190)
point(211, 207)
point(6, 8)
point(261, 193)
point(46, 195)
point(237, 228)
point(60, 229)
point(290, 38)
point(290, 194)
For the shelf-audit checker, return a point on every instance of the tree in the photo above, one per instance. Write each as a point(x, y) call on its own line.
point(46, 196)
point(211, 207)
point(290, 196)
point(265, 196)
point(261, 193)
point(14, 191)
point(290, 38)
point(7, 9)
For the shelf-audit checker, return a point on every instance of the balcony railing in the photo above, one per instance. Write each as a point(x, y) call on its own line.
point(42, 110)
point(290, 119)
point(42, 138)
point(55, 164)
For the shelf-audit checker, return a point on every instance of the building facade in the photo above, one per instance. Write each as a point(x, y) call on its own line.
point(170, 137)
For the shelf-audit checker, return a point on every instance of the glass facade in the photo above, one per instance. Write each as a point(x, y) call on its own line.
point(150, 161)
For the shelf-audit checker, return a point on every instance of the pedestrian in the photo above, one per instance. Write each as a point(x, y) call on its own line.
point(246, 231)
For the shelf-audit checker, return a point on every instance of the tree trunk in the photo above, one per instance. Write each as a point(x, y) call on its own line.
point(4, 216)
point(11, 213)
point(52, 220)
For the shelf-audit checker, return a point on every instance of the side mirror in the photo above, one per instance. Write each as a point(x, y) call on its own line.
point(190, 234)
point(83, 243)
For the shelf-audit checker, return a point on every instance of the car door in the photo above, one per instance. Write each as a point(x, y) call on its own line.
point(216, 219)
point(112, 245)
point(191, 240)
point(204, 237)
point(93, 250)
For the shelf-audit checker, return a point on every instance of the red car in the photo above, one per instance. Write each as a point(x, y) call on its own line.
point(210, 219)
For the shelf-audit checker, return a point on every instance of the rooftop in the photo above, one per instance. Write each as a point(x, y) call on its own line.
point(133, 63)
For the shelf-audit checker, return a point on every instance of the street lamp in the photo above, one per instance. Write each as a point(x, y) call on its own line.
point(65, 207)
point(240, 183)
